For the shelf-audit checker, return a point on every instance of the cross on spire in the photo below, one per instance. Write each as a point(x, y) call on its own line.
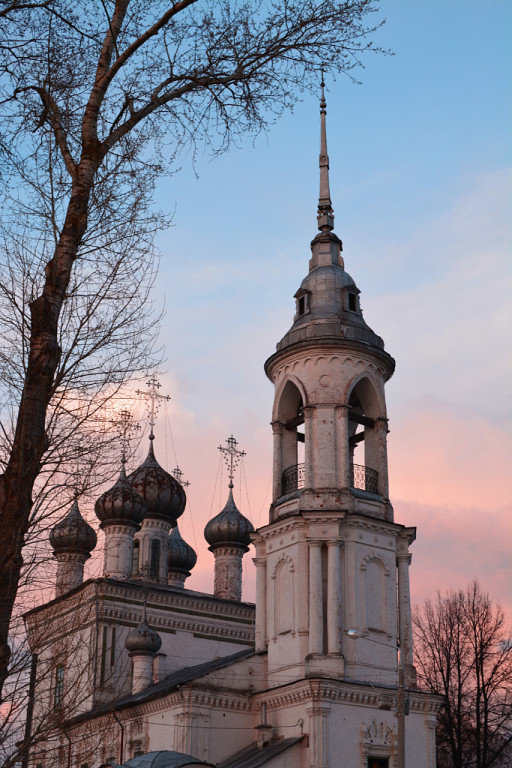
point(127, 425)
point(177, 473)
point(232, 457)
point(154, 397)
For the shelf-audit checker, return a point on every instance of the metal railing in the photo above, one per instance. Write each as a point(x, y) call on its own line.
point(364, 478)
point(293, 478)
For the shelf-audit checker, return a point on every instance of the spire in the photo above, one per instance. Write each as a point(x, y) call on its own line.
point(325, 215)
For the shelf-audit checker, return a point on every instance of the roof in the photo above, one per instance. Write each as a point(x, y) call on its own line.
point(168, 684)
point(254, 756)
point(163, 759)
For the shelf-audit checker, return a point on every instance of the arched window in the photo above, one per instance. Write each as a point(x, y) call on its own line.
point(135, 559)
point(154, 564)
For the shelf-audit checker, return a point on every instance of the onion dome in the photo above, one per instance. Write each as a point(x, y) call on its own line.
point(164, 496)
point(120, 505)
point(72, 534)
point(229, 528)
point(143, 639)
point(182, 557)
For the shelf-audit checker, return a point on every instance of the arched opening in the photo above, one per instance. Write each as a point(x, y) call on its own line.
point(283, 598)
point(364, 407)
point(135, 559)
point(290, 415)
point(154, 562)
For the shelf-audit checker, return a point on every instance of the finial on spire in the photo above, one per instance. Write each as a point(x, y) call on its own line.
point(232, 457)
point(325, 215)
point(154, 397)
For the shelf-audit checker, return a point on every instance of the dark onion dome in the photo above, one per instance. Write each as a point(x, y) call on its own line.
point(120, 505)
point(72, 534)
point(164, 496)
point(229, 528)
point(182, 557)
point(143, 639)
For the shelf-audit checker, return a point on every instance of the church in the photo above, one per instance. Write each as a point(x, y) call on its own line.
point(135, 669)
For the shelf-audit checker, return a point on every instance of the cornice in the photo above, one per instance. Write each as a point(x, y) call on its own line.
point(320, 343)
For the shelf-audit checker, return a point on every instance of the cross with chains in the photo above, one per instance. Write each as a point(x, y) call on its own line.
point(232, 457)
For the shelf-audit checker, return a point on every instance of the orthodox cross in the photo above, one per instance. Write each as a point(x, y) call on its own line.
point(232, 457)
point(154, 397)
point(178, 475)
point(127, 425)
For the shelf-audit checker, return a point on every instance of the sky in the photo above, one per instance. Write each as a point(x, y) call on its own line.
point(420, 182)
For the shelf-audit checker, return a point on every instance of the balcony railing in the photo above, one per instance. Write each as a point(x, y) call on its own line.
point(293, 478)
point(364, 478)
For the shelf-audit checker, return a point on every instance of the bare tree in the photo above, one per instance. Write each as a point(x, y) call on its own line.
point(92, 94)
point(74, 668)
point(464, 652)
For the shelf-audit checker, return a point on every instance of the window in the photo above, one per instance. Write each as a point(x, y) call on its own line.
point(135, 559)
point(154, 567)
point(103, 656)
point(352, 302)
point(378, 762)
point(59, 686)
point(113, 648)
point(302, 302)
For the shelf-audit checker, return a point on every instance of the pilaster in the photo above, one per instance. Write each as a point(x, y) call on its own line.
point(316, 612)
point(261, 603)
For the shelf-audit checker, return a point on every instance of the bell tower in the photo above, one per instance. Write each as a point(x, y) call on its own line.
point(327, 561)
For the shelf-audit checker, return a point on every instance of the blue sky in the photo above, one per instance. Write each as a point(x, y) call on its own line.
point(420, 181)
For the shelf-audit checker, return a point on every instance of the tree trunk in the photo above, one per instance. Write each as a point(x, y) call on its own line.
point(30, 440)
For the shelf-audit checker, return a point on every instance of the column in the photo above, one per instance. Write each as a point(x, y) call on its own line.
point(260, 629)
point(277, 431)
point(325, 446)
point(404, 609)
point(381, 465)
point(333, 598)
point(309, 480)
point(342, 458)
point(316, 614)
